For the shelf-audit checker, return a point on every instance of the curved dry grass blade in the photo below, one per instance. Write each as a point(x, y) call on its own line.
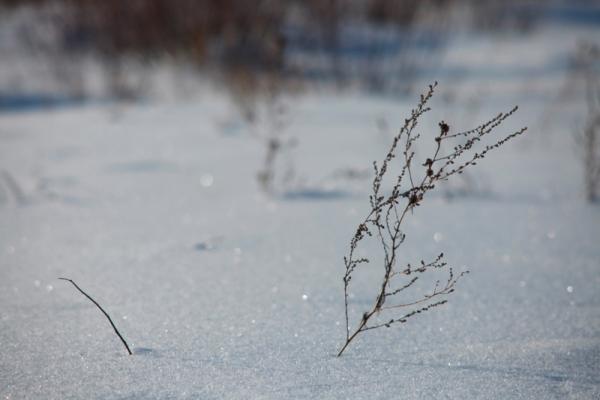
point(103, 312)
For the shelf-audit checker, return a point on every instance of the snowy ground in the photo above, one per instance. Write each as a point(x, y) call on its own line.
point(228, 293)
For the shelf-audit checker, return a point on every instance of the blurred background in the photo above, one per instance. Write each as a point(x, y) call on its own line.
point(64, 51)
point(488, 55)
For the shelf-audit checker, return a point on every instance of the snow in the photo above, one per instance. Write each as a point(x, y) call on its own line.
point(225, 292)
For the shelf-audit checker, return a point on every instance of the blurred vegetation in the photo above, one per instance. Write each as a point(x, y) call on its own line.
point(263, 36)
point(377, 45)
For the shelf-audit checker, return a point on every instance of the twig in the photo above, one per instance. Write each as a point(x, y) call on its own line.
point(389, 209)
point(104, 312)
point(14, 188)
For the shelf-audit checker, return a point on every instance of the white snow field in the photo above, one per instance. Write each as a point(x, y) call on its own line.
point(225, 292)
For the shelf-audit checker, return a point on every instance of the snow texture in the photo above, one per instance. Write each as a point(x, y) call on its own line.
point(225, 292)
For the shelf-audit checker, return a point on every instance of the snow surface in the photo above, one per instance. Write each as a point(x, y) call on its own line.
point(225, 292)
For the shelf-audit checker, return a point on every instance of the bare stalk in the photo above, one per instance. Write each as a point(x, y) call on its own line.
point(591, 139)
point(104, 312)
point(388, 212)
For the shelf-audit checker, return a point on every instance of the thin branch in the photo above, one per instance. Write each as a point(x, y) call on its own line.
point(101, 309)
point(388, 211)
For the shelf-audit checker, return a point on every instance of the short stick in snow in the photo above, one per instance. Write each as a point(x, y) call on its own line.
point(103, 312)
point(392, 205)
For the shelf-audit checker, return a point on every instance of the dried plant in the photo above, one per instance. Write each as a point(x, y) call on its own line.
point(389, 210)
point(278, 172)
point(271, 177)
point(590, 142)
point(103, 312)
point(590, 138)
point(583, 80)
